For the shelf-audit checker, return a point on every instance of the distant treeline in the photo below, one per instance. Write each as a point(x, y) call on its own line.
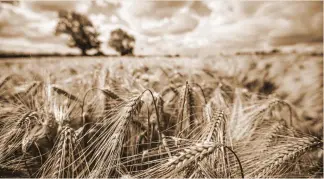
point(277, 51)
point(41, 55)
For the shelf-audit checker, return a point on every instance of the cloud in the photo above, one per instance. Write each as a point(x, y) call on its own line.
point(53, 6)
point(293, 22)
point(32, 23)
point(172, 26)
point(258, 25)
point(218, 25)
point(19, 22)
point(22, 29)
point(155, 18)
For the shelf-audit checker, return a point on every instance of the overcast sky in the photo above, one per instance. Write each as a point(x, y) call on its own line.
point(168, 27)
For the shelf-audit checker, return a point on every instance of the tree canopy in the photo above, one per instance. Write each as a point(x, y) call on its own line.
point(122, 42)
point(82, 33)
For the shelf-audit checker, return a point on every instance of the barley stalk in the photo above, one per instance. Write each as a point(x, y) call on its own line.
point(195, 153)
point(66, 161)
point(14, 137)
point(107, 147)
point(58, 165)
point(182, 101)
point(66, 94)
point(274, 129)
point(112, 95)
point(187, 103)
point(168, 89)
point(5, 80)
point(172, 166)
point(190, 107)
point(288, 153)
point(217, 119)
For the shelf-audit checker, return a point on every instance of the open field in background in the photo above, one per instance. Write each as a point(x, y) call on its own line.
point(221, 116)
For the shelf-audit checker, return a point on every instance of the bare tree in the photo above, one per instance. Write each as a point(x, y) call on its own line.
point(83, 34)
point(122, 42)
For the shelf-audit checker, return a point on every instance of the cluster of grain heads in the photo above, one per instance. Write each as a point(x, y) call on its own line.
point(39, 140)
point(175, 165)
point(281, 158)
point(13, 133)
point(106, 149)
point(191, 161)
point(190, 111)
point(215, 131)
point(81, 125)
point(255, 115)
point(66, 159)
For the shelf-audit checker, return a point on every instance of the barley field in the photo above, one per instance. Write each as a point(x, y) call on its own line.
point(225, 116)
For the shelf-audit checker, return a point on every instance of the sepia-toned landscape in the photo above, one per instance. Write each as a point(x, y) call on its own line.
point(244, 105)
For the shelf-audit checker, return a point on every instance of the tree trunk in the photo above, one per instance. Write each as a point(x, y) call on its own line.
point(128, 52)
point(99, 53)
point(84, 52)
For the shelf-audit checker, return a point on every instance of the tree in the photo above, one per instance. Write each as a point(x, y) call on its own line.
point(80, 29)
point(122, 42)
